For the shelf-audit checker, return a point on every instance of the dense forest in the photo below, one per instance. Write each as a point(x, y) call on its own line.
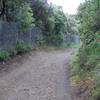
point(86, 65)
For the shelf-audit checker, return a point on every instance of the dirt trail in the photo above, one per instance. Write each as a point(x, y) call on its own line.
point(39, 76)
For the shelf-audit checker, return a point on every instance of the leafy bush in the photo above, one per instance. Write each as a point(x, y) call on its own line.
point(96, 94)
point(55, 39)
point(4, 55)
point(96, 86)
point(75, 65)
point(21, 47)
point(24, 16)
point(40, 40)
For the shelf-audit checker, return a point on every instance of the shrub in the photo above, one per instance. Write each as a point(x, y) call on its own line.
point(12, 52)
point(88, 62)
point(96, 84)
point(96, 93)
point(74, 65)
point(24, 16)
point(21, 47)
point(96, 87)
point(54, 39)
point(4, 55)
point(40, 40)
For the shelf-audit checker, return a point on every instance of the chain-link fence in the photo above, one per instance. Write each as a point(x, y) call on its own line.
point(71, 38)
point(10, 34)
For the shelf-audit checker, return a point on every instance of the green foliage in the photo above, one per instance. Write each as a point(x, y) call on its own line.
point(4, 55)
point(21, 47)
point(75, 66)
point(40, 40)
point(24, 16)
point(12, 52)
point(89, 54)
point(96, 87)
point(17, 10)
point(49, 18)
point(72, 24)
point(53, 22)
point(55, 39)
point(8, 9)
point(56, 26)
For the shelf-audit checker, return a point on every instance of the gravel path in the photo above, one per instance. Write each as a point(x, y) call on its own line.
point(41, 75)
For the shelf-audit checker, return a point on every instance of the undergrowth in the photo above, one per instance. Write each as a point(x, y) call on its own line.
point(86, 63)
point(4, 55)
point(20, 48)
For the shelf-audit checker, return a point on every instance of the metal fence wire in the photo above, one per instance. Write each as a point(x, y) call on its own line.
point(10, 34)
point(72, 38)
